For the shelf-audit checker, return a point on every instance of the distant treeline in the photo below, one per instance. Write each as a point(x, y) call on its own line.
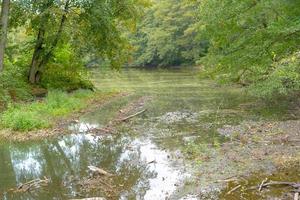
point(254, 43)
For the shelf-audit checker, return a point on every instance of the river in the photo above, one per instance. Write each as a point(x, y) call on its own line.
point(153, 156)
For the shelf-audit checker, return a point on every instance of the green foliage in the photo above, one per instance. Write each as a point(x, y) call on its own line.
point(18, 119)
point(13, 85)
point(283, 80)
point(56, 36)
point(167, 35)
point(66, 71)
point(247, 41)
point(26, 117)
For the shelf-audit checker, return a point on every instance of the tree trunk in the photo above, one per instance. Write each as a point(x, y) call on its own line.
point(37, 56)
point(40, 58)
point(4, 28)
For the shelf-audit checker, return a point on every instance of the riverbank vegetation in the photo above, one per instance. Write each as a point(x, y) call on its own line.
point(254, 43)
point(48, 45)
point(41, 114)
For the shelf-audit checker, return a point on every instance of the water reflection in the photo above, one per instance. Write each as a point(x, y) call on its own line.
point(143, 170)
point(182, 110)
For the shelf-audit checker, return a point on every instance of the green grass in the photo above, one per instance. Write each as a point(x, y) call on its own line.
point(41, 114)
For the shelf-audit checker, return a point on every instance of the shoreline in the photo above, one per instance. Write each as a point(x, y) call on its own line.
point(59, 126)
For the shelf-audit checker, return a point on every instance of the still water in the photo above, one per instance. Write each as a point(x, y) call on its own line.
point(147, 154)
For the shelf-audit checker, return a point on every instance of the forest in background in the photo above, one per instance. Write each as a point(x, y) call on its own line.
point(49, 44)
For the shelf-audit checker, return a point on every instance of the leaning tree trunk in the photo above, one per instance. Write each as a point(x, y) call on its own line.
point(4, 27)
point(40, 58)
point(37, 56)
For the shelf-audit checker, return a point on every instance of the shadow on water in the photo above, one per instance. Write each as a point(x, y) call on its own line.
point(147, 155)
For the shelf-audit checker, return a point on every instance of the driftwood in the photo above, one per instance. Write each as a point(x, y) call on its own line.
point(295, 186)
point(282, 183)
point(98, 171)
point(134, 115)
point(32, 185)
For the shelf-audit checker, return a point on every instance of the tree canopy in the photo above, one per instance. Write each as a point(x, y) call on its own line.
point(253, 42)
point(167, 35)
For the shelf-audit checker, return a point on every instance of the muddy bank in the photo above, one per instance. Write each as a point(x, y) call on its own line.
point(60, 125)
point(252, 187)
point(263, 148)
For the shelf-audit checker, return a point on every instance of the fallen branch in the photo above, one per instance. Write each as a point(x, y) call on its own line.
point(230, 179)
point(296, 186)
point(234, 189)
point(134, 115)
point(32, 185)
point(292, 184)
point(262, 183)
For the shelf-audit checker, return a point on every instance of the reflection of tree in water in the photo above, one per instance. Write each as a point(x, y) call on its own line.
point(7, 174)
point(65, 160)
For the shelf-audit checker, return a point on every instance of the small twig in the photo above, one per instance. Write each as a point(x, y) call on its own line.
point(262, 183)
point(230, 179)
point(234, 189)
point(153, 161)
point(134, 115)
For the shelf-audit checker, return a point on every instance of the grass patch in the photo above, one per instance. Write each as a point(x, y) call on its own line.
point(42, 114)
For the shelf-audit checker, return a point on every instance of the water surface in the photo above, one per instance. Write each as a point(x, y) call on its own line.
point(148, 154)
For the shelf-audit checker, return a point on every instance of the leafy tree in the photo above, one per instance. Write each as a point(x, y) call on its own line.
point(250, 39)
point(167, 35)
point(89, 26)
